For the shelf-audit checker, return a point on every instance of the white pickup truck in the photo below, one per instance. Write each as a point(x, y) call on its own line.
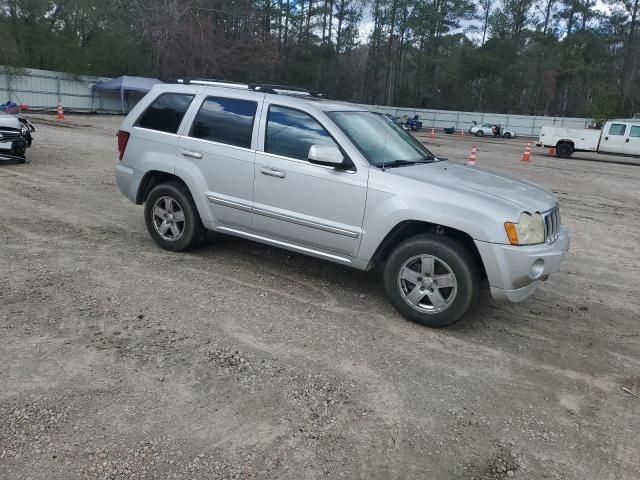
point(618, 137)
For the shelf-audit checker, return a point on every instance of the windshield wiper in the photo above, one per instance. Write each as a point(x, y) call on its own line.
point(398, 163)
point(403, 163)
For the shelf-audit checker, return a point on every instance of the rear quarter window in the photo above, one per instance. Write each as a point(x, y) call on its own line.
point(166, 112)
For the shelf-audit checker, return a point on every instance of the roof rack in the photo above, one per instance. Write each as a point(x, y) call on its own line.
point(211, 81)
point(258, 87)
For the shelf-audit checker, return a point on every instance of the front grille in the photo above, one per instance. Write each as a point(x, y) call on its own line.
point(9, 135)
point(551, 224)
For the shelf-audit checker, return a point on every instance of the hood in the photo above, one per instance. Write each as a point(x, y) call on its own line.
point(9, 121)
point(509, 191)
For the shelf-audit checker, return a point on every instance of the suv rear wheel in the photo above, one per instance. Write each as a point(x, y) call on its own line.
point(172, 218)
point(432, 280)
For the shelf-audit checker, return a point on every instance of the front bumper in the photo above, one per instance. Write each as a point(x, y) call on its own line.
point(15, 143)
point(515, 272)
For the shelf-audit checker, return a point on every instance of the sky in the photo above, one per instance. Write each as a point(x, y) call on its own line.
point(366, 25)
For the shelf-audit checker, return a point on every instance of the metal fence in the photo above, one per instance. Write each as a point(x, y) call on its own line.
point(525, 125)
point(43, 89)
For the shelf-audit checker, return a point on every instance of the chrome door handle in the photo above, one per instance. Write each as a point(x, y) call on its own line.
point(190, 154)
point(272, 172)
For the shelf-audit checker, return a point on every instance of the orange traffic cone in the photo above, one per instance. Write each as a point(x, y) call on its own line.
point(552, 151)
point(433, 133)
point(473, 157)
point(526, 156)
point(60, 115)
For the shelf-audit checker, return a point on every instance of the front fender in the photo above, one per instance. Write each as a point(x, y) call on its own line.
point(386, 210)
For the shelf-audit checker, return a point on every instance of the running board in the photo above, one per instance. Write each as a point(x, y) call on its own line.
point(287, 245)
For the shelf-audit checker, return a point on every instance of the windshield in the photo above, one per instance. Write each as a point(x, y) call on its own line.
point(380, 140)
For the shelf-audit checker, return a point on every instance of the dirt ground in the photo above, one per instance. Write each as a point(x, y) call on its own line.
point(242, 361)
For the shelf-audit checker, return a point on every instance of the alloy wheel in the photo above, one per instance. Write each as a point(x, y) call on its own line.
point(427, 283)
point(168, 218)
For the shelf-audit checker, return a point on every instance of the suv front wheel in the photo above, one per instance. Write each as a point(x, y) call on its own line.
point(172, 218)
point(432, 280)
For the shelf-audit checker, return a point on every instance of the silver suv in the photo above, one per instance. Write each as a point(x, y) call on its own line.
point(333, 180)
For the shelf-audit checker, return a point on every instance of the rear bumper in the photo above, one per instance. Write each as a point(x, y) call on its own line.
point(128, 180)
point(514, 272)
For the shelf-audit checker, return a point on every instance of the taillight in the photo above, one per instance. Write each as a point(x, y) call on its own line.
point(123, 138)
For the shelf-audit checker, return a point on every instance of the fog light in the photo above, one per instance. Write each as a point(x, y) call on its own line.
point(537, 269)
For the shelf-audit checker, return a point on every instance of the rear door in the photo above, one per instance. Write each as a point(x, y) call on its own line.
point(632, 143)
point(218, 152)
point(614, 136)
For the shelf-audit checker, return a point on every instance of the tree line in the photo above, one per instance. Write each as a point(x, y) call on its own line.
point(548, 57)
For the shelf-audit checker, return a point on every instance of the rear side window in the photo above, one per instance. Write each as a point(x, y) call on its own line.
point(635, 131)
point(617, 129)
point(225, 120)
point(166, 113)
point(290, 133)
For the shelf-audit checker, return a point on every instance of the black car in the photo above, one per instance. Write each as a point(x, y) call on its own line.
point(15, 137)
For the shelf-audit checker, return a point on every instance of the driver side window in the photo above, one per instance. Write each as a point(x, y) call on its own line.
point(290, 133)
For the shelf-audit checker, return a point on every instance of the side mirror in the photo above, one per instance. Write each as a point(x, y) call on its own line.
point(328, 155)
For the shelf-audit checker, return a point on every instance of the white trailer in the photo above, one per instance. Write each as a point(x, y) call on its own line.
point(618, 137)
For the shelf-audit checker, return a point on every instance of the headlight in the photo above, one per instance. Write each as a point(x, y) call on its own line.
point(528, 231)
point(24, 130)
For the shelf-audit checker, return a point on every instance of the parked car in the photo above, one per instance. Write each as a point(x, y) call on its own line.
point(339, 182)
point(618, 137)
point(15, 137)
point(488, 129)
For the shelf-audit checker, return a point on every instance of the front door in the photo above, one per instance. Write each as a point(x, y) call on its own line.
point(614, 138)
point(296, 201)
point(218, 149)
point(632, 143)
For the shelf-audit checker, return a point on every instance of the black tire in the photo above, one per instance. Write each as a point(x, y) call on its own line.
point(446, 250)
point(480, 133)
point(507, 135)
point(192, 231)
point(564, 150)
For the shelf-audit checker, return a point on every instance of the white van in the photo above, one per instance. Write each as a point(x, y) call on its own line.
point(618, 137)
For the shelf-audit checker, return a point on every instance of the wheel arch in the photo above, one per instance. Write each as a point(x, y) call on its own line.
point(410, 228)
point(565, 140)
point(151, 179)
